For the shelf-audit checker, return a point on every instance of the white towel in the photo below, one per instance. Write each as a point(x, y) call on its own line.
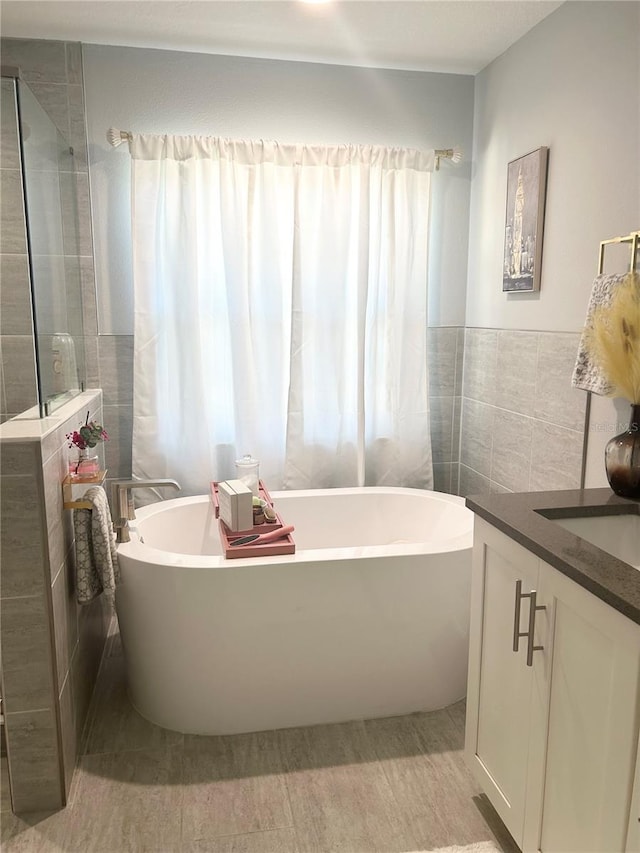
point(96, 555)
point(587, 375)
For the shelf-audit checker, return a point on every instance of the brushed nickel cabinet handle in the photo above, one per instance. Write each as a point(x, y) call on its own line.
point(517, 633)
point(516, 618)
point(533, 609)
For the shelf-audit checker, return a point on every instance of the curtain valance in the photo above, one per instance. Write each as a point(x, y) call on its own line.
point(146, 146)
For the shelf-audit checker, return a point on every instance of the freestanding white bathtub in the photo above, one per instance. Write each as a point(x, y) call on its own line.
point(369, 618)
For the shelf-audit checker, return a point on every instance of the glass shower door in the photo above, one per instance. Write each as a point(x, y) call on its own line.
point(54, 249)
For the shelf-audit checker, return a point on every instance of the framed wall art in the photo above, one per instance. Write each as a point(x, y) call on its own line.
point(524, 222)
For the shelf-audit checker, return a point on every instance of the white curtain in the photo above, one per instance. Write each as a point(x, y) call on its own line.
point(280, 310)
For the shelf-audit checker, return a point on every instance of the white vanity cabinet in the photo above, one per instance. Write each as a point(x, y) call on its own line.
point(552, 728)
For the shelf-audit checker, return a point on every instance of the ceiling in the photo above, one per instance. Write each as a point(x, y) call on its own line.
point(449, 36)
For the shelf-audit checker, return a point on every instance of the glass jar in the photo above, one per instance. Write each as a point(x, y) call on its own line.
point(85, 465)
point(247, 471)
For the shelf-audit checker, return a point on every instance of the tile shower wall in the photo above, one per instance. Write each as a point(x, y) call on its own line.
point(18, 377)
point(51, 648)
point(53, 72)
point(522, 422)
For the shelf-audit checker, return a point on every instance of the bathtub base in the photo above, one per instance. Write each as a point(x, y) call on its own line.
point(327, 644)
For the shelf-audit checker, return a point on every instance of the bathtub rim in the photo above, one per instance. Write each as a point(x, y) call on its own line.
point(143, 553)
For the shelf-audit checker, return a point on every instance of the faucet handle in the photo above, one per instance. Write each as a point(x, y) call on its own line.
point(122, 497)
point(119, 502)
point(122, 501)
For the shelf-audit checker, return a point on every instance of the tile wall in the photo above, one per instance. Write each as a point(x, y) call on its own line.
point(51, 648)
point(53, 72)
point(445, 352)
point(115, 377)
point(522, 422)
point(18, 376)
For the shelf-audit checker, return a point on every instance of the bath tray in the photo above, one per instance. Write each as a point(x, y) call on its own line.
point(286, 545)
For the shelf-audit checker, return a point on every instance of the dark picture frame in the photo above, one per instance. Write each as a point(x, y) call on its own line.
point(524, 222)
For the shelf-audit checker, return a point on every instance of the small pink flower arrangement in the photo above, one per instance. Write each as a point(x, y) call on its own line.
point(88, 435)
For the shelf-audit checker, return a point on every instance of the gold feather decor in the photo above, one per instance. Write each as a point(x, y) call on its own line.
point(613, 339)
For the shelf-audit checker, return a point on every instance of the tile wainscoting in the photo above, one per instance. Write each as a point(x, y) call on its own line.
point(522, 422)
point(504, 416)
point(445, 353)
point(445, 357)
point(115, 356)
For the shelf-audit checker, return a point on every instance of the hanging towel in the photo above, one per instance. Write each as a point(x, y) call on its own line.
point(96, 555)
point(586, 375)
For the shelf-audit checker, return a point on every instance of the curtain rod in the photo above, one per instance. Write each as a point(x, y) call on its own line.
point(117, 137)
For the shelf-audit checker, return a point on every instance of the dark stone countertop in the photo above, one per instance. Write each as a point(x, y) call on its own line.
point(520, 517)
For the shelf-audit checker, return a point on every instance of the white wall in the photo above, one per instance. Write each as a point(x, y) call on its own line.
point(172, 92)
point(571, 83)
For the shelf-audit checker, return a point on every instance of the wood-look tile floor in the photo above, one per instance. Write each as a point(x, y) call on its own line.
point(393, 785)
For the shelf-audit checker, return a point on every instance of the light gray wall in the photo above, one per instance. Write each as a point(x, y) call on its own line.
point(171, 92)
point(572, 84)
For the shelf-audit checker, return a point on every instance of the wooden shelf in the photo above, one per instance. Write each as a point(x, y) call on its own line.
point(72, 490)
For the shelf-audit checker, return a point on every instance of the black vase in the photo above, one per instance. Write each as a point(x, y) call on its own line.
point(622, 459)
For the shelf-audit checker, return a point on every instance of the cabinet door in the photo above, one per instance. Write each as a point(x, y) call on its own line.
point(502, 687)
point(593, 722)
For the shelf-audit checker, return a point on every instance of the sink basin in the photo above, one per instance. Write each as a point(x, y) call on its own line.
point(618, 535)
